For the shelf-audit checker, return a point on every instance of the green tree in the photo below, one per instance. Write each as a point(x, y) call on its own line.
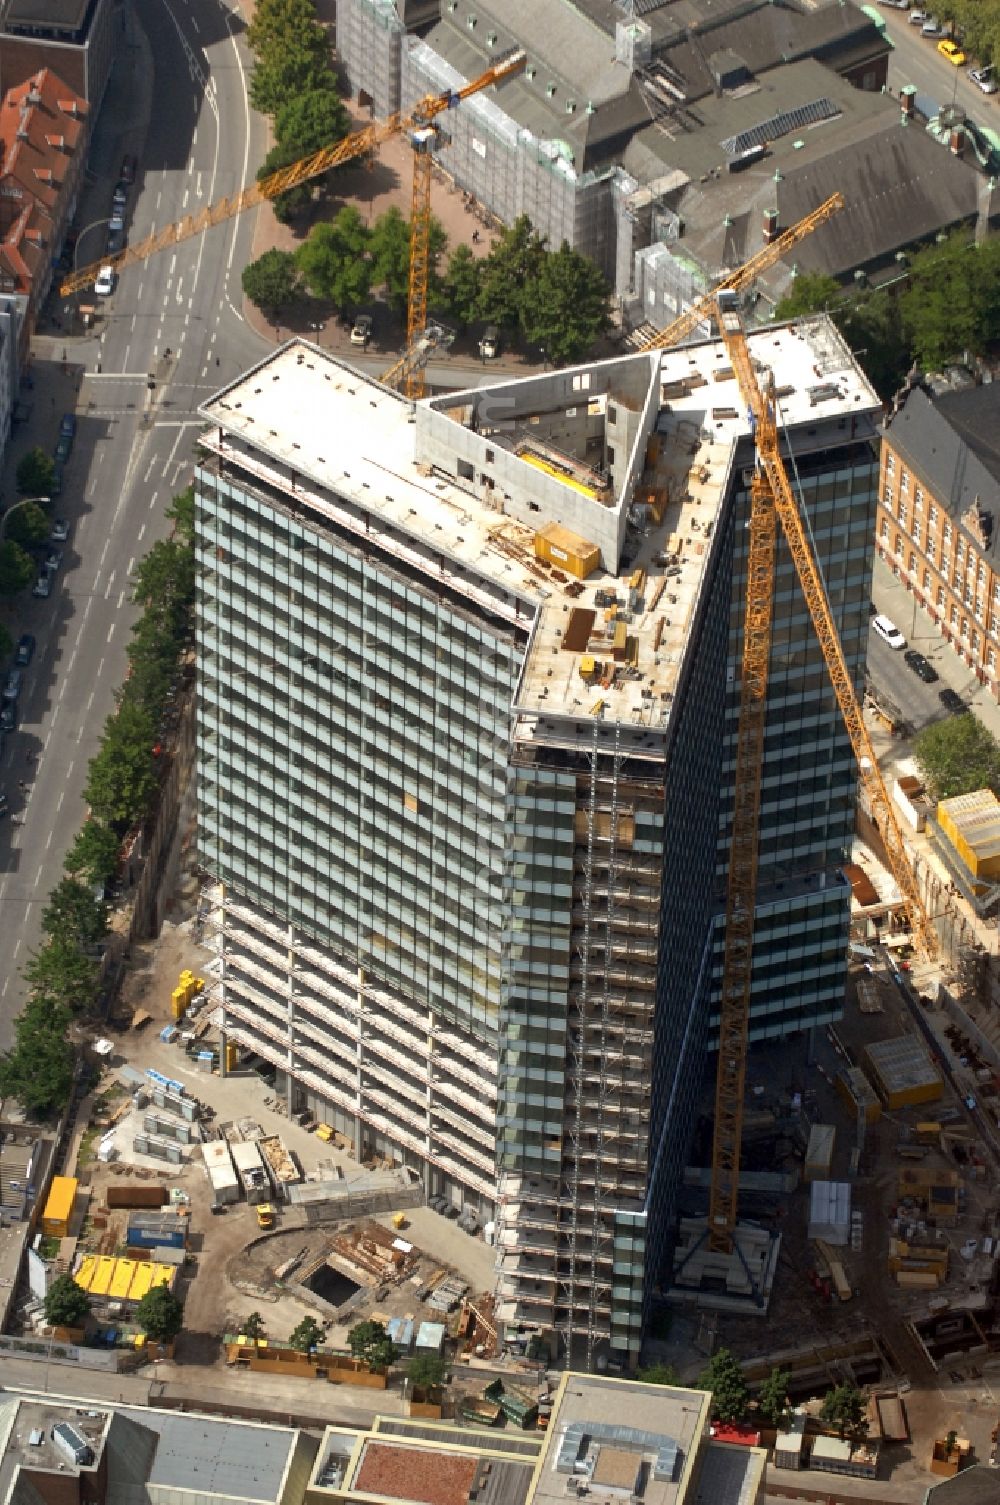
point(514, 261)
point(843, 1407)
point(93, 856)
point(160, 1314)
point(658, 1374)
point(66, 1304)
point(370, 1342)
point(724, 1377)
point(61, 973)
point(287, 206)
point(17, 568)
point(181, 514)
point(35, 473)
point(307, 1336)
point(309, 122)
point(253, 1327)
point(390, 252)
point(951, 301)
point(27, 524)
point(74, 914)
point(164, 582)
point(6, 641)
point(426, 1371)
point(772, 1397)
point(276, 22)
point(460, 286)
point(121, 779)
point(335, 261)
point(811, 293)
point(152, 657)
point(38, 1069)
point(273, 281)
point(566, 306)
point(299, 66)
point(958, 755)
point(871, 325)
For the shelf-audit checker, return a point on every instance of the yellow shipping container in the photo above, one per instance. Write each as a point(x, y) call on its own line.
point(971, 822)
point(121, 1280)
point(85, 1275)
point(103, 1276)
point(178, 1002)
point(567, 551)
point(141, 1281)
point(59, 1207)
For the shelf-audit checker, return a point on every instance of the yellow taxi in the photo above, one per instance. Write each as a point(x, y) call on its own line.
point(951, 51)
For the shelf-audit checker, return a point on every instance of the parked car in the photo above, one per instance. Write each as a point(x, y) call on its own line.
point(489, 344)
point(53, 560)
point(952, 52)
point(116, 242)
point(361, 330)
point(12, 684)
point(120, 198)
point(984, 79)
point(117, 220)
point(4, 806)
point(917, 17)
point(64, 447)
point(105, 284)
point(25, 650)
point(128, 168)
point(931, 28)
point(57, 477)
point(953, 702)
point(8, 716)
point(888, 632)
point(921, 668)
point(60, 530)
point(42, 586)
point(67, 424)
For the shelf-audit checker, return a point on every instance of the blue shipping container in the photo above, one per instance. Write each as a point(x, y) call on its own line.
point(152, 1238)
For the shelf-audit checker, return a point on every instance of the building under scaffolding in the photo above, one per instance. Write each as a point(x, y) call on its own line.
point(462, 776)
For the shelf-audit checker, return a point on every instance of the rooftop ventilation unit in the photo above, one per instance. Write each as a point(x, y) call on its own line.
point(72, 1444)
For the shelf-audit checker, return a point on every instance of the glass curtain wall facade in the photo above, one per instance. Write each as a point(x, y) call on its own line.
point(353, 750)
point(810, 779)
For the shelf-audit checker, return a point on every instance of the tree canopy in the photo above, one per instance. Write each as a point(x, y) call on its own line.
point(724, 1377)
point(335, 261)
point(370, 1341)
point(66, 1304)
point(844, 1407)
point(958, 755)
point(307, 1336)
point(513, 262)
point(63, 975)
point(38, 1069)
point(427, 1371)
point(160, 1314)
point(459, 290)
point(121, 779)
point(772, 1397)
point(272, 282)
point(93, 855)
point(74, 914)
point(658, 1374)
point(35, 473)
point(27, 524)
point(17, 568)
point(566, 305)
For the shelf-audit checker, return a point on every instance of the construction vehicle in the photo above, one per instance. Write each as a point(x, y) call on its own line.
point(265, 1215)
point(426, 136)
point(772, 501)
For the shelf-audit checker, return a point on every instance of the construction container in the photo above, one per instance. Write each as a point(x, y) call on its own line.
point(148, 1230)
point(251, 1171)
point(430, 1337)
point(819, 1153)
point(59, 1206)
point(971, 823)
point(567, 551)
point(859, 1094)
point(589, 667)
point(903, 1073)
point(788, 1443)
point(221, 1172)
point(401, 1331)
point(838, 1455)
point(619, 643)
point(517, 1405)
point(830, 1212)
point(136, 1196)
point(280, 1166)
point(864, 891)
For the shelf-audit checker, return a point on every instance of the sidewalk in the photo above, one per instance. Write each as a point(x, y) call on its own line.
point(894, 600)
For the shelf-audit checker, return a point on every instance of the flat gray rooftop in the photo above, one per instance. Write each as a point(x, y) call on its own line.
point(213, 1458)
point(48, 15)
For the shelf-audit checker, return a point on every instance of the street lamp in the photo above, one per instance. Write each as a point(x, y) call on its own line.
point(24, 502)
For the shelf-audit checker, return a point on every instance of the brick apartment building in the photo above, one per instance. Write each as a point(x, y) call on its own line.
point(938, 510)
point(43, 135)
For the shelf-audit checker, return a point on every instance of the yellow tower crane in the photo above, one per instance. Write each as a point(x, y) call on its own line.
point(421, 125)
point(771, 500)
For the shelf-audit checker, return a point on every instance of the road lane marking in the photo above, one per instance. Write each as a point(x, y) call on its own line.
point(149, 471)
point(131, 565)
point(48, 843)
point(187, 195)
point(246, 159)
point(59, 801)
point(111, 629)
point(141, 532)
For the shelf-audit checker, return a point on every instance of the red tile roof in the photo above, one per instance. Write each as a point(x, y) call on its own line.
point(41, 123)
point(417, 1474)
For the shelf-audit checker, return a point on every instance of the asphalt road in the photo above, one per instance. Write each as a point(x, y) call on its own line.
point(917, 61)
point(178, 100)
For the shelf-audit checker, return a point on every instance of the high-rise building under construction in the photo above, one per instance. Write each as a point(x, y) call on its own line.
point(468, 680)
